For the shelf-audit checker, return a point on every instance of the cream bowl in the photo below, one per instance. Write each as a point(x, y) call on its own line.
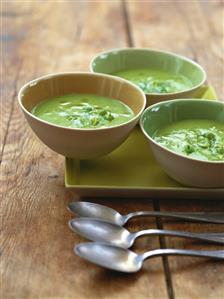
point(80, 143)
point(186, 170)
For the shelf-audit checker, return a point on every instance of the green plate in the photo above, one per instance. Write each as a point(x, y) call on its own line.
point(131, 170)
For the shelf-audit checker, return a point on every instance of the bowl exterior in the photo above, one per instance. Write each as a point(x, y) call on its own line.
point(189, 172)
point(156, 98)
point(80, 144)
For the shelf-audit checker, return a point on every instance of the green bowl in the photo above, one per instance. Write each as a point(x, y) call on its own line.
point(186, 170)
point(116, 60)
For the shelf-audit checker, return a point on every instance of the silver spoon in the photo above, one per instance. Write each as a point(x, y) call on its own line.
point(124, 260)
point(101, 231)
point(93, 210)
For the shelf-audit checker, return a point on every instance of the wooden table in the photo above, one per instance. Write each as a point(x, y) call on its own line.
point(40, 37)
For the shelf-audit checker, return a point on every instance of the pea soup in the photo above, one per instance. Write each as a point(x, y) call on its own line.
point(83, 111)
point(156, 81)
point(199, 139)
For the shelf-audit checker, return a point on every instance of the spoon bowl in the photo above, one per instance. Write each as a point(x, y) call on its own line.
point(101, 231)
point(94, 210)
point(110, 257)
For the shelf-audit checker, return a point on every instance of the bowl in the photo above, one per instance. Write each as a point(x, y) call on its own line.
point(80, 143)
point(136, 58)
point(186, 170)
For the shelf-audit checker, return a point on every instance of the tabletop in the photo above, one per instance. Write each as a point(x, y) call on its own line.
point(41, 37)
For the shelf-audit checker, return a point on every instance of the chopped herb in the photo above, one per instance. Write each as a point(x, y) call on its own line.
point(206, 143)
point(78, 111)
point(155, 81)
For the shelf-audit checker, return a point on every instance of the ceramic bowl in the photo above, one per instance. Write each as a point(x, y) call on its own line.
point(133, 58)
point(188, 171)
point(80, 143)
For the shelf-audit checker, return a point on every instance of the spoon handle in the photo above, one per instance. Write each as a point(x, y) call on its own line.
point(218, 254)
point(203, 217)
point(214, 238)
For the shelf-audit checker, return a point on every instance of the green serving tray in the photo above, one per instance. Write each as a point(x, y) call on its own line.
point(132, 171)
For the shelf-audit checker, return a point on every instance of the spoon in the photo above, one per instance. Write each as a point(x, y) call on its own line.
point(124, 260)
point(93, 210)
point(101, 231)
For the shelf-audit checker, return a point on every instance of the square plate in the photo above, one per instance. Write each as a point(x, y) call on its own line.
point(132, 171)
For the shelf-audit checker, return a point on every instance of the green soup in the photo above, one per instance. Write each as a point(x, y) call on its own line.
point(83, 111)
point(199, 139)
point(154, 81)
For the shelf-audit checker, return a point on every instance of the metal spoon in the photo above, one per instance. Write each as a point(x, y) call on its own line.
point(93, 210)
point(124, 260)
point(101, 231)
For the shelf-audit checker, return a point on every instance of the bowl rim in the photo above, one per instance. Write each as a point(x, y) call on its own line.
point(137, 49)
point(36, 80)
point(165, 148)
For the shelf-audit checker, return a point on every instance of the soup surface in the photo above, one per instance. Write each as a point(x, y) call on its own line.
point(199, 139)
point(83, 111)
point(155, 81)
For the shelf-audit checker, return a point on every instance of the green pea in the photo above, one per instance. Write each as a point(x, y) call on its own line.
point(109, 116)
point(189, 149)
point(103, 112)
point(95, 121)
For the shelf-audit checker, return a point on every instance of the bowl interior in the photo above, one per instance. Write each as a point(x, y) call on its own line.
point(125, 59)
point(61, 84)
point(164, 113)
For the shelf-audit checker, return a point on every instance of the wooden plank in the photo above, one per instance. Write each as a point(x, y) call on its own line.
point(201, 18)
point(154, 25)
point(189, 28)
point(37, 256)
point(195, 277)
point(204, 20)
point(12, 34)
point(193, 29)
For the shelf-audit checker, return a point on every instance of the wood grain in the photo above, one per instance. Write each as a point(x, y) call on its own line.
point(10, 62)
point(151, 25)
point(36, 245)
point(191, 28)
point(37, 256)
point(193, 277)
point(154, 25)
point(207, 38)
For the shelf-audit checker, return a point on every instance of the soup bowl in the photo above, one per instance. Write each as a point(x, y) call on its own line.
point(113, 61)
point(184, 169)
point(80, 143)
